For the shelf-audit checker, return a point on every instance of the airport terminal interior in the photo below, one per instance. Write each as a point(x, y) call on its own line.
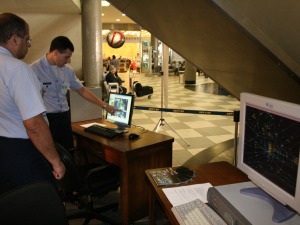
point(200, 131)
point(229, 47)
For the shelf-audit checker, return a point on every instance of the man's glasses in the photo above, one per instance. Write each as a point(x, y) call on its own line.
point(28, 39)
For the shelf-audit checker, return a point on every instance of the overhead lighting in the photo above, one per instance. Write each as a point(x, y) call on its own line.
point(105, 3)
point(105, 32)
point(118, 20)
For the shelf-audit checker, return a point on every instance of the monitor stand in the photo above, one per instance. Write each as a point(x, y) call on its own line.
point(121, 129)
point(281, 212)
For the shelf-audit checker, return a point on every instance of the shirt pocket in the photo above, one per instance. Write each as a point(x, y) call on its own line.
point(49, 89)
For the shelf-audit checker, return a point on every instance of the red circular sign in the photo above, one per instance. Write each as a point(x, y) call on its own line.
point(115, 39)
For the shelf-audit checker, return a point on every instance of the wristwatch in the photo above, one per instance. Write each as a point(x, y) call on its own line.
point(104, 106)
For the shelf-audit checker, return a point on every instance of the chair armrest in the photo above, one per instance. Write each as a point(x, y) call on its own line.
point(114, 84)
point(73, 151)
point(102, 172)
point(95, 170)
point(113, 87)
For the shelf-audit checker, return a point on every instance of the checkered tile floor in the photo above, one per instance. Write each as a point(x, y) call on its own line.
point(199, 130)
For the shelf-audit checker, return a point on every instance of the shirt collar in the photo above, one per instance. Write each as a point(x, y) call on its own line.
point(5, 51)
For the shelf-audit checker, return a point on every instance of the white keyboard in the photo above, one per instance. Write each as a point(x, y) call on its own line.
point(195, 213)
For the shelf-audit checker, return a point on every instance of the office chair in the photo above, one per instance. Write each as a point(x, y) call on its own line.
point(108, 88)
point(30, 204)
point(82, 184)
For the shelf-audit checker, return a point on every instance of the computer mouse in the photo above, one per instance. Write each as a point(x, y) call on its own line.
point(133, 136)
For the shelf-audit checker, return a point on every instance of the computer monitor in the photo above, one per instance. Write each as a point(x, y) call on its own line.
point(268, 152)
point(124, 103)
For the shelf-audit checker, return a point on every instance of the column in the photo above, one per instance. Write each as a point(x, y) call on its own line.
point(189, 73)
point(154, 44)
point(92, 62)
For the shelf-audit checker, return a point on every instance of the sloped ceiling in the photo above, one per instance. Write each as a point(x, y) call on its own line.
point(273, 23)
point(204, 34)
point(40, 6)
point(215, 39)
point(111, 14)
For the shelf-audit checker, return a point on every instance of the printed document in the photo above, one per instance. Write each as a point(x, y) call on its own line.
point(183, 194)
point(90, 124)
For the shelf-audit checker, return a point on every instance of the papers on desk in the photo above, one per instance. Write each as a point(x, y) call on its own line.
point(90, 124)
point(183, 194)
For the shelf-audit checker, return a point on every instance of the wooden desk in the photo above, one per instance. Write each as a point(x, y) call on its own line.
point(153, 150)
point(218, 173)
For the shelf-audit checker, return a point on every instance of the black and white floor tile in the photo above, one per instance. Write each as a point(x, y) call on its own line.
point(199, 130)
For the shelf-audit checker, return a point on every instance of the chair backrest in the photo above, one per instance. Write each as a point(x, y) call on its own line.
point(34, 203)
point(72, 179)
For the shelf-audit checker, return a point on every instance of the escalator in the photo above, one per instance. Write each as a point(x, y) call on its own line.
point(211, 39)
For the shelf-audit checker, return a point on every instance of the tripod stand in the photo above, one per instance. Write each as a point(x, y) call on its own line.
point(162, 121)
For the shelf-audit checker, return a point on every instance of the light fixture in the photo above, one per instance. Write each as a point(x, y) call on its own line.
point(105, 32)
point(105, 3)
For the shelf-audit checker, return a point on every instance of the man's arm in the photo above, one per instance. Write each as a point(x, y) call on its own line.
point(91, 97)
point(39, 133)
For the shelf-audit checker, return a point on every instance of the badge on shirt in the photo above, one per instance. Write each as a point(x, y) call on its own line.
point(46, 83)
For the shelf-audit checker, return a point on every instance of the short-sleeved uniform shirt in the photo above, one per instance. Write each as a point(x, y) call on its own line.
point(20, 94)
point(55, 83)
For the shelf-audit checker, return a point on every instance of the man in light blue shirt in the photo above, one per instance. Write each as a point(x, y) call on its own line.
point(57, 77)
point(27, 150)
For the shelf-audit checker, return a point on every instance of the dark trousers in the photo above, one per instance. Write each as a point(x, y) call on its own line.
point(22, 163)
point(60, 127)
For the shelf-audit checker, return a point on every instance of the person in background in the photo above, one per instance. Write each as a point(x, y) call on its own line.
point(105, 72)
point(112, 78)
point(133, 65)
point(27, 151)
point(108, 63)
point(57, 77)
point(115, 63)
point(138, 62)
point(174, 67)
